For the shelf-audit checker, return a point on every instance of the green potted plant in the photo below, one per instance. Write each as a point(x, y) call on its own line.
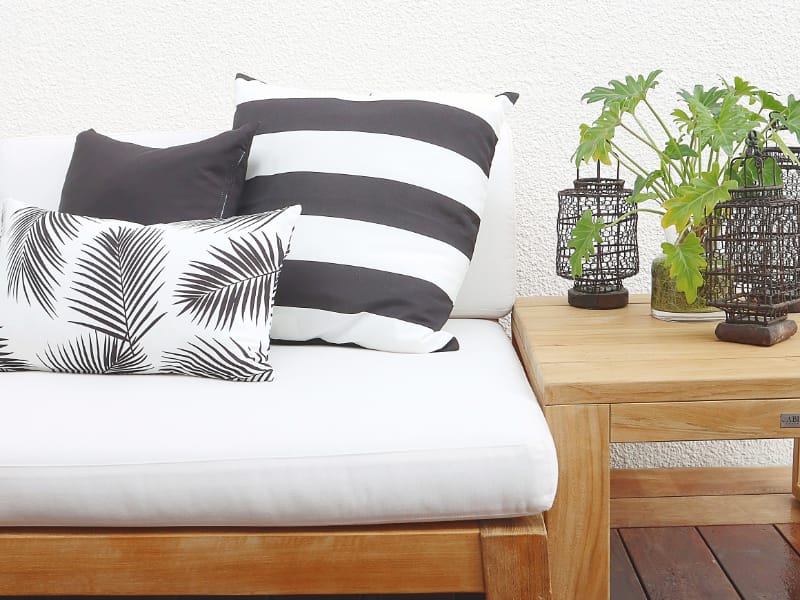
point(680, 168)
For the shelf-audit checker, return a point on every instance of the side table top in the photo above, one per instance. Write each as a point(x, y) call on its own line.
point(577, 356)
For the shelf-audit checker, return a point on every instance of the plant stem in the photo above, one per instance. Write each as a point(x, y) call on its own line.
point(646, 142)
point(661, 122)
point(636, 168)
point(664, 158)
point(624, 216)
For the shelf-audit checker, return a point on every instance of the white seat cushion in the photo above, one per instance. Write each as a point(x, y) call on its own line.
point(342, 436)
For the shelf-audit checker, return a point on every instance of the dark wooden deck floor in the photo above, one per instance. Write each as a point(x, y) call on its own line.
point(725, 562)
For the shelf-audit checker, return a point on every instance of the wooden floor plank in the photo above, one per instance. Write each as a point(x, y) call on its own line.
point(791, 531)
point(674, 562)
point(756, 558)
point(625, 584)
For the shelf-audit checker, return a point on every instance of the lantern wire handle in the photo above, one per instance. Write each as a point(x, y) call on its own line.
point(578, 170)
point(752, 144)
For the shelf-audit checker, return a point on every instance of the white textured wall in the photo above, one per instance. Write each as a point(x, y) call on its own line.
point(169, 64)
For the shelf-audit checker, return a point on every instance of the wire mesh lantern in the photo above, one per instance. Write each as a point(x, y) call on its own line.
point(752, 243)
point(616, 257)
point(790, 172)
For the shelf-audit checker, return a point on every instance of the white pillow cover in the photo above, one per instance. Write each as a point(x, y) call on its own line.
point(86, 295)
point(393, 187)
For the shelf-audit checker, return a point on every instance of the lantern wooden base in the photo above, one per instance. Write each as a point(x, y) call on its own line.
point(756, 335)
point(608, 300)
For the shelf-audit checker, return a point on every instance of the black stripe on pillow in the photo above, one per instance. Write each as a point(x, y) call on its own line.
point(450, 346)
point(369, 199)
point(446, 126)
point(350, 290)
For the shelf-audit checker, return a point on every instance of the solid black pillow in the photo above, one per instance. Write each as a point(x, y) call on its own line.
point(110, 179)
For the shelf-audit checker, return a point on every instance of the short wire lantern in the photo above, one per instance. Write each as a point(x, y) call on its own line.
point(616, 257)
point(752, 243)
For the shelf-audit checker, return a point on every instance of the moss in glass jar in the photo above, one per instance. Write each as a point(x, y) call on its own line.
point(665, 298)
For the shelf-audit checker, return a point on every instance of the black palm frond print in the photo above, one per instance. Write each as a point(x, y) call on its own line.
point(7, 361)
point(229, 360)
point(35, 258)
point(117, 280)
point(239, 282)
point(95, 354)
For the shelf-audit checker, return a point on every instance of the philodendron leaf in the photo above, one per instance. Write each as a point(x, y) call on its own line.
point(675, 151)
point(791, 117)
point(742, 88)
point(641, 185)
point(747, 173)
point(641, 197)
point(772, 174)
point(769, 102)
point(595, 144)
point(624, 94)
point(685, 260)
point(682, 119)
point(638, 184)
point(700, 97)
point(697, 199)
point(584, 236)
point(785, 149)
point(722, 131)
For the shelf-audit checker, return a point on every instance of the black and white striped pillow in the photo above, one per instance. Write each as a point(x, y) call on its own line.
point(392, 188)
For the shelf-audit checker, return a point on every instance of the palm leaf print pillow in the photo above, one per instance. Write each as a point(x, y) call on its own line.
point(87, 295)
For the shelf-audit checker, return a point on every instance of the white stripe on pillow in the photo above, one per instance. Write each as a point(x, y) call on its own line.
point(424, 257)
point(370, 155)
point(373, 331)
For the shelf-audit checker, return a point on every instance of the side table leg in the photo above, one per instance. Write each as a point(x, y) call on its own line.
point(795, 467)
point(578, 524)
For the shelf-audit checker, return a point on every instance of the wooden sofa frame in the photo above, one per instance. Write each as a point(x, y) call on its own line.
point(505, 558)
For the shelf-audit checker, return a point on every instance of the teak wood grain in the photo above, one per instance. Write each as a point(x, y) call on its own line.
point(700, 481)
point(506, 558)
point(796, 469)
point(718, 420)
point(514, 557)
point(739, 509)
point(638, 379)
point(578, 523)
point(576, 356)
point(401, 559)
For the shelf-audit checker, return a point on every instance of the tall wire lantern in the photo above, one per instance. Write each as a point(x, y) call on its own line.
point(789, 170)
point(752, 243)
point(616, 257)
point(790, 173)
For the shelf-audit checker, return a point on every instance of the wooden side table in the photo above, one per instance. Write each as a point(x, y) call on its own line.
point(622, 376)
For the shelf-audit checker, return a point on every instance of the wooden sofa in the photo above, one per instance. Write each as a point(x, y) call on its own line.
point(506, 559)
point(504, 556)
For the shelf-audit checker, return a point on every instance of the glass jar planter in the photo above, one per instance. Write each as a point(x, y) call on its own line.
point(668, 304)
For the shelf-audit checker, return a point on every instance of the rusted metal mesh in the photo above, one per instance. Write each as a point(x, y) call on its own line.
point(617, 256)
point(752, 246)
